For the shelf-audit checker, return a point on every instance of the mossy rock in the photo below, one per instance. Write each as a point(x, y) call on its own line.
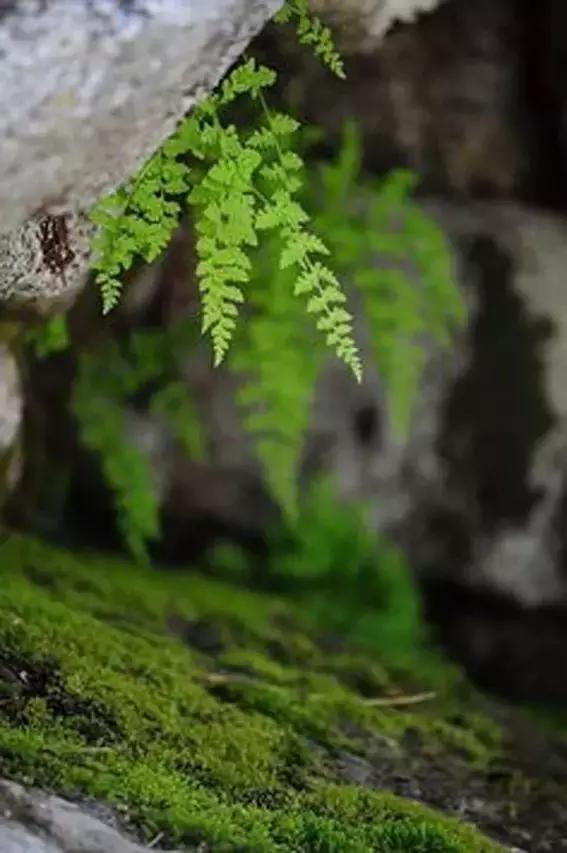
point(210, 715)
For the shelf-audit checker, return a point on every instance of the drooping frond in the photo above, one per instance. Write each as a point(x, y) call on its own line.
point(311, 31)
point(398, 257)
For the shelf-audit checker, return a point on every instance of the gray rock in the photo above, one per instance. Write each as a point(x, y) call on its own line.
point(90, 88)
point(35, 822)
point(11, 413)
point(370, 20)
point(485, 463)
point(34, 281)
point(478, 491)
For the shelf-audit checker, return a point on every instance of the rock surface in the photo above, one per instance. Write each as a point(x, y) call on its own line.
point(32, 821)
point(485, 463)
point(468, 95)
point(89, 90)
point(370, 20)
point(11, 416)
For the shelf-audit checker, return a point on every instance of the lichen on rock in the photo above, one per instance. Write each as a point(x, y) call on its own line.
point(42, 264)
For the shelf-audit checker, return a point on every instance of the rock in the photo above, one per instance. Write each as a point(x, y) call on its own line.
point(11, 413)
point(89, 91)
point(468, 95)
point(42, 266)
point(366, 22)
point(477, 491)
point(32, 821)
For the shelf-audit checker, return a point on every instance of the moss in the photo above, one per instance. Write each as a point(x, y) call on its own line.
point(110, 686)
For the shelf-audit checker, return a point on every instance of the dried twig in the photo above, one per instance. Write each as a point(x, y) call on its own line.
point(387, 701)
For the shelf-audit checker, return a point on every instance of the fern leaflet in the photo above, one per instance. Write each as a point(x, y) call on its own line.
point(399, 259)
point(312, 32)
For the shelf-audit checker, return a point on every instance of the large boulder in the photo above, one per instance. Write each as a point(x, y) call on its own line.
point(365, 22)
point(89, 91)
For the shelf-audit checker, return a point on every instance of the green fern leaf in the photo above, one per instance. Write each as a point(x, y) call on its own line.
point(312, 32)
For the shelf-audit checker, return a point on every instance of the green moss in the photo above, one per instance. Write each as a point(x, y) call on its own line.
point(195, 709)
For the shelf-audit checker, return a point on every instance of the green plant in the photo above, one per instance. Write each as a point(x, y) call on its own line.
point(278, 358)
point(313, 33)
point(349, 578)
point(107, 381)
point(394, 256)
point(49, 338)
point(264, 224)
point(397, 257)
point(398, 261)
point(237, 184)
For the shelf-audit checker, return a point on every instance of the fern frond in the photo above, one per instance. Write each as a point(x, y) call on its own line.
point(225, 225)
point(278, 359)
point(311, 31)
point(100, 413)
point(247, 79)
point(50, 338)
point(400, 261)
point(301, 250)
point(106, 382)
point(136, 220)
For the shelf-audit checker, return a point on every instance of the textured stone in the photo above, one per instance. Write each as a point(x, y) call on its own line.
point(460, 95)
point(477, 492)
point(42, 264)
point(11, 413)
point(370, 20)
point(36, 822)
point(90, 88)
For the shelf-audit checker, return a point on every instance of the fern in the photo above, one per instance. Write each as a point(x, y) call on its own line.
point(262, 249)
point(278, 358)
point(302, 251)
point(239, 184)
point(50, 338)
point(312, 32)
point(398, 258)
point(137, 220)
point(106, 382)
point(99, 403)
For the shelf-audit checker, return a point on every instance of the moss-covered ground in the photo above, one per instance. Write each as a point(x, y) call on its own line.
point(207, 714)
